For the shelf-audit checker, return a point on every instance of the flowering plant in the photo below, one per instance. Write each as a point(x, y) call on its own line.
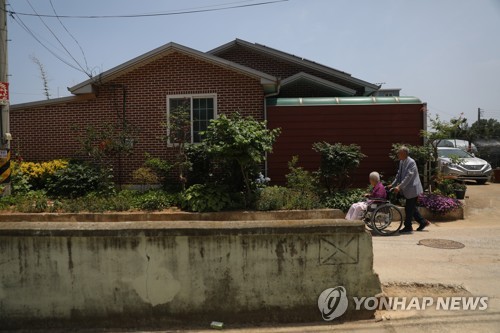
point(437, 203)
point(39, 170)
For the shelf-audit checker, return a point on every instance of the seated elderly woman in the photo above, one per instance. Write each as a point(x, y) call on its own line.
point(378, 192)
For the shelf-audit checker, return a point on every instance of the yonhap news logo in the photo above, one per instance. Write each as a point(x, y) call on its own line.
point(333, 303)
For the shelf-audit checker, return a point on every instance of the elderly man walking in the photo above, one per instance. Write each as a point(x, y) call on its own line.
point(408, 183)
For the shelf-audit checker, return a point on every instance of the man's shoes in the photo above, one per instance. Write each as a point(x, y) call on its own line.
point(423, 225)
point(406, 230)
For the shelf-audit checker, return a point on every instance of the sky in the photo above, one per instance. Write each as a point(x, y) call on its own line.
point(446, 52)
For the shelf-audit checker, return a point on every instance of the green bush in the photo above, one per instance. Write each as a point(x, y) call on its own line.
point(282, 198)
point(272, 198)
point(79, 179)
point(8, 201)
point(206, 198)
point(242, 140)
point(343, 199)
point(31, 176)
point(201, 164)
point(98, 203)
point(300, 179)
point(155, 200)
point(20, 183)
point(33, 202)
point(145, 176)
point(337, 161)
point(160, 167)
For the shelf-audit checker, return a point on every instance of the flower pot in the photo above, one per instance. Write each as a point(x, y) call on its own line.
point(460, 194)
point(496, 173)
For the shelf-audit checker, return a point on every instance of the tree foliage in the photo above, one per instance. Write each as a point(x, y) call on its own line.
point(240, 139)
point(485, 129)
point(179, 136)
point(337, 161)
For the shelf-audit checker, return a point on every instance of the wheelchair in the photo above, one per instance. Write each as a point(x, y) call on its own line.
point(382, 216)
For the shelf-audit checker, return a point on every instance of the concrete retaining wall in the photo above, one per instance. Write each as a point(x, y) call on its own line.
point(141, 274)
point(174, 216)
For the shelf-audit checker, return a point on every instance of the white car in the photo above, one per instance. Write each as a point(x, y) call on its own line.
point(457, 143)
point(465, 166)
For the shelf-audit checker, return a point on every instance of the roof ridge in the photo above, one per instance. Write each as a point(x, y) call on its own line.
point(293, 58)
point(164, 48)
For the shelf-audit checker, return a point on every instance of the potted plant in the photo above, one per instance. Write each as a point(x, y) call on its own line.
point(459, 189)
point(496, 174)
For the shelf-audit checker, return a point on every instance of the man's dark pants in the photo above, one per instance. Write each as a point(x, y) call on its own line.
point(411, 212)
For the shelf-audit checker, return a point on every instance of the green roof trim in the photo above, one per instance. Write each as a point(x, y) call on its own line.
point(342, 101)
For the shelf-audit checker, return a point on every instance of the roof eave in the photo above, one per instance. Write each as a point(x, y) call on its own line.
point(52, 101)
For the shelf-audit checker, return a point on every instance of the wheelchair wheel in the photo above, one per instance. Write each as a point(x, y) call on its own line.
point(387, 220)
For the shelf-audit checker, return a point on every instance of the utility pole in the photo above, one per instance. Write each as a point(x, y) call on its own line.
point(5, 137)
point(478, 114)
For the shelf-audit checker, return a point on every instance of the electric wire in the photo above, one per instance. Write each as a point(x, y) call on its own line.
point(59, 41)
point(180, 12)
point(71, 35)
point(19, 21)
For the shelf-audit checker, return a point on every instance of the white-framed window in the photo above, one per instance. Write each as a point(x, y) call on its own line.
point(202, 108)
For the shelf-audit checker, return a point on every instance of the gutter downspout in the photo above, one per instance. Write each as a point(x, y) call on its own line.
point(277, 92)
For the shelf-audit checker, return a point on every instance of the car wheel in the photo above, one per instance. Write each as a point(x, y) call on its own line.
point(481, 181)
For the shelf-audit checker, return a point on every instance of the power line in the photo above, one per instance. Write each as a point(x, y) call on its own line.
point(179, 12)
point(32, 34)
point(71, 35)
point(58, 40)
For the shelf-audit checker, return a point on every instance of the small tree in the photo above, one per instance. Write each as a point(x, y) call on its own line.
point(239, 139)
point(423, 155)
point(337, 161)
point(300, 179)
point(179, 136)
point(103, 143)
point(440, 130)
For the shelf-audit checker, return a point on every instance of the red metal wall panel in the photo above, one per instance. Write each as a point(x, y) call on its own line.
point(373, 127)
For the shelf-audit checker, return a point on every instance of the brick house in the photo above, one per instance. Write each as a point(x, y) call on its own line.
point(237, 76)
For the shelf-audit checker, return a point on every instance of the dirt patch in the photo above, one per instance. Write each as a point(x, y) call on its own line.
point(415, 289)
point(419, 290)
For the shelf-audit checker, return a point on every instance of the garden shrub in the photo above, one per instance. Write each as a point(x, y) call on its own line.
point(300, 179)
point(283, 198)
point(343, 199)
point(206, 198)
point(241, 140)
point(155, 200)
point(79, 179)
point(160, 167)
point(8, 201)
point(271, 198)
point(445, 187)
point(201, 165)
point(98, 203)
point(145, 177)
point(33, 202)
point(28, 176)
point(337, 161)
